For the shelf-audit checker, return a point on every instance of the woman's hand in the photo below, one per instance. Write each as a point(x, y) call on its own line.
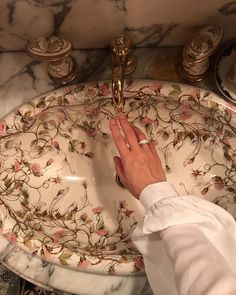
point(138, 165)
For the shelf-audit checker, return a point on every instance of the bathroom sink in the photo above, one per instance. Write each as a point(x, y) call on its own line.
point(60, 199)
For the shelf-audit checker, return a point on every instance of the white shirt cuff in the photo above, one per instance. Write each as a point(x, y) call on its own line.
point(156, 192)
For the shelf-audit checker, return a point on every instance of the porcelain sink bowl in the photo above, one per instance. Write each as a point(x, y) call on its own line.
point(59, 197)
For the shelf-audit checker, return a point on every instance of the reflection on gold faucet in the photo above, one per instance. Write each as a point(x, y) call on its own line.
point(124, 63)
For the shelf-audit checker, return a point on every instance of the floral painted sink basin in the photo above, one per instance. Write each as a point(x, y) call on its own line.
point(59, 197)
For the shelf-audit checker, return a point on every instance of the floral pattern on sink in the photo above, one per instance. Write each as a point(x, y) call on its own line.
point(58, 195)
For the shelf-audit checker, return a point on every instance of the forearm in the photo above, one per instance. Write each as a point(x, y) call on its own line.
point(199, 266)
point(197, 237)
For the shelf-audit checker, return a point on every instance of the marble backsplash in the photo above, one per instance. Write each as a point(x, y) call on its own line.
point(92, 23)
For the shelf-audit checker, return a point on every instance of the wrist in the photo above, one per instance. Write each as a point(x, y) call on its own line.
point(155, 192)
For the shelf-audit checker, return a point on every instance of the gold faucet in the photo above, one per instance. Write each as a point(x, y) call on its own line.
point(124, 63)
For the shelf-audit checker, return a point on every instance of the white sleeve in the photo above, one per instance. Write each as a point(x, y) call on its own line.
point(188, 244)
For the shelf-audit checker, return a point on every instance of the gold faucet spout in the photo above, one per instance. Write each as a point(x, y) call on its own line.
point(123, 64)
point(118, 87)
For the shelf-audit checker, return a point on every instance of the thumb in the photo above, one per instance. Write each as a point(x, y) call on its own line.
point(119, 168)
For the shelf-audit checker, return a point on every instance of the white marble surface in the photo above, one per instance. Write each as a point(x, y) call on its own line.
point(92, 23)
point(54, 277)
point(22, 78)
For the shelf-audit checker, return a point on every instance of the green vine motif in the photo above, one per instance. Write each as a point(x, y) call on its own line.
point(45, 131)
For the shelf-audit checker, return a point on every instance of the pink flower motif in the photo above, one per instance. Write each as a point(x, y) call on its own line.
point(55, 145)
point(58, 236)
point(123, 204)
point(49, 162)
point(83, 216)
point(145, 121)
point(104, 89)
point(219, 186)
point(3, 127)
point(17, 166)
point(128, 212)
point(165, 135)
point(61, 116)
point(92, 132)
point(138, 262)
point(218, 183)
point(225, 141)
point(186, 111)
point(57, 180)
point(195, 94)
point(11, 237)
point(196, 173)
point(190, 161)
point(36, 169)
point(98, 209)
point(84, 264)
point(42, 115)
point(102, 232)
point(155, 87)
point(219, 132)
point(185, 115)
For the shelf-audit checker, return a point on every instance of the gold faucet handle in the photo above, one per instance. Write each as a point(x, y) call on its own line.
point(121, 47)
point(62, 68)
point(197, 51)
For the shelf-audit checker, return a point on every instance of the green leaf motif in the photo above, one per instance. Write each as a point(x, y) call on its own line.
point(176, 87)
point(25, 194)
point(41, 104)
point(66, 255)
point(8, 182)
point(174, 93)
point(79, 88)
point(9, 144)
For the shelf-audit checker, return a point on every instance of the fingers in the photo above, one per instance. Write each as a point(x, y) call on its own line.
point(118, 165)
point(119, 168)
point(140, 136)
point(118, 138)
point(128, 132)
point(152, 147)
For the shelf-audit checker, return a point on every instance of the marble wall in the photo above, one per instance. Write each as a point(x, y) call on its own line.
point(92, 23)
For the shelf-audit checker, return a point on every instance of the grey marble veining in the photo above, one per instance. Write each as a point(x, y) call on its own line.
point(24, 78)
point(93, 23)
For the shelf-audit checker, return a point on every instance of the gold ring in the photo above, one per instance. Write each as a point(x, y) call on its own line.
point(144, 141)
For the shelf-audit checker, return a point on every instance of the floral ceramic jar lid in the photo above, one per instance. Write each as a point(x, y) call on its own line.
point(49, 48)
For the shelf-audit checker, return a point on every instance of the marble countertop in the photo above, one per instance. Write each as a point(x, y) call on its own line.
point(21, 79)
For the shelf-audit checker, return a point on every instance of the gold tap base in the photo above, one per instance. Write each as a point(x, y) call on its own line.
point(130, 66)
point(186, 76)
point(68, 78)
